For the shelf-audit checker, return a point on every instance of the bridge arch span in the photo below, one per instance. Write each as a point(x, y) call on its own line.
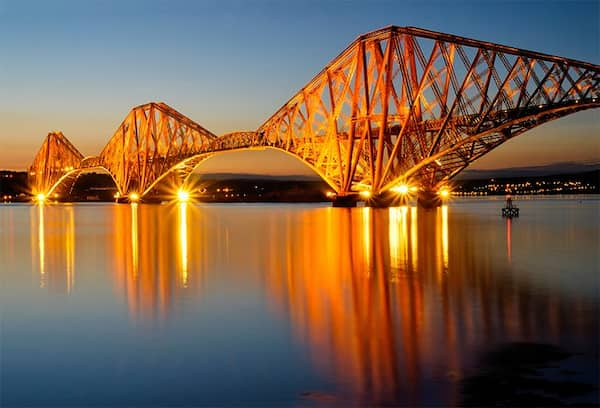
point(397, 103)
point(56, 157)
point(63, 187)
point(183, 170)
point(151, 138)
point(399, 100)
point(441, 167)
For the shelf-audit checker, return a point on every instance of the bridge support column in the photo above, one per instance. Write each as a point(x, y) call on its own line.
point(428, 199)
point(346, 201)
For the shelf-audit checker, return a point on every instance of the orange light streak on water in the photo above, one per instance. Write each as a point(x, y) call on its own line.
point(508, 240)
point(134, 239)
point(41, 244)
point(445, 237)
point(70, 249)
point(183, 243)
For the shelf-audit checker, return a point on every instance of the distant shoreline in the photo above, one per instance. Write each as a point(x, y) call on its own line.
point(98, 187)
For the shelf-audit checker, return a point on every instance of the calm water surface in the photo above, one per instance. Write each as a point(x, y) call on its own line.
point(285, 304)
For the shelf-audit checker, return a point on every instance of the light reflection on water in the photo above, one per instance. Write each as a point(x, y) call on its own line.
point(58, 235)
point(284, 304)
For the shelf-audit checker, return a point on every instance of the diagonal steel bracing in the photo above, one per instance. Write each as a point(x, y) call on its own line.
point(152, 138)
point(399, 103)
point(56, 157)
point(403, 103)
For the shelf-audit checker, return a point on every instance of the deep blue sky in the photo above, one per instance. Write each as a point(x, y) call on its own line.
point(79, 66)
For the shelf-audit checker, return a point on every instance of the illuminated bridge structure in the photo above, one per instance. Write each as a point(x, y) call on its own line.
point(399, 105)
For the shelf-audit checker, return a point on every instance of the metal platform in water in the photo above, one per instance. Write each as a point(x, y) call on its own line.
point(510, 212)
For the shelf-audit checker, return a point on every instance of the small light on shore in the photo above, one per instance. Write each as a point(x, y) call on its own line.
point(444, 192)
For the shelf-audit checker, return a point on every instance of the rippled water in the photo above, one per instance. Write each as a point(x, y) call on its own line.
point(286, 304)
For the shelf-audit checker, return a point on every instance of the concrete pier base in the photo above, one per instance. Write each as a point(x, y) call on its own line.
point(386, 200)
point(348, 201)
point(428, 199)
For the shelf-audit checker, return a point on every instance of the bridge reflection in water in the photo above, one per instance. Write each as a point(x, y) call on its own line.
point(53, 246)
point(151, 259)
point(365, 313)
point(386, 300)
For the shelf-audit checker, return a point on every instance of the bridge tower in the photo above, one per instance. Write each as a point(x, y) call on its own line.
point(403, 106)
point(151, 140)
point(56, 158)
point(400, 110)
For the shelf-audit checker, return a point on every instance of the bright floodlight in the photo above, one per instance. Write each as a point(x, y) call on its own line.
point(403, 189)
point(183, 195)
point(444, 193)
point(40, 197)
point(133, 197)
point(365, 194)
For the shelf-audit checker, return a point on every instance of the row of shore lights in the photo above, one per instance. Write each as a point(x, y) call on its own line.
point(183, 196)
point(404, 190)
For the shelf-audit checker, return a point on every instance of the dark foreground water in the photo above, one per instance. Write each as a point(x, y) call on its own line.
point(299, 304)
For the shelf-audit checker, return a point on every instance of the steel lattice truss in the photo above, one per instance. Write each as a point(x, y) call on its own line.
point(148, 143)
point(399, 104)
point(404, 103)
point(56, 157)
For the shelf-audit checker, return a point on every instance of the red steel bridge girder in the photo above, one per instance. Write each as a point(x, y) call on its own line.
point(404, 103)
point(398, 104)
point(152, 138)
point(55, 158)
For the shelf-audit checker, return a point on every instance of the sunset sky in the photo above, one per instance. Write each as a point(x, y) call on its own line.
point(80, 66)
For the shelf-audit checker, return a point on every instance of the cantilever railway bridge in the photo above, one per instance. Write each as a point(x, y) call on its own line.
point(400, 104)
